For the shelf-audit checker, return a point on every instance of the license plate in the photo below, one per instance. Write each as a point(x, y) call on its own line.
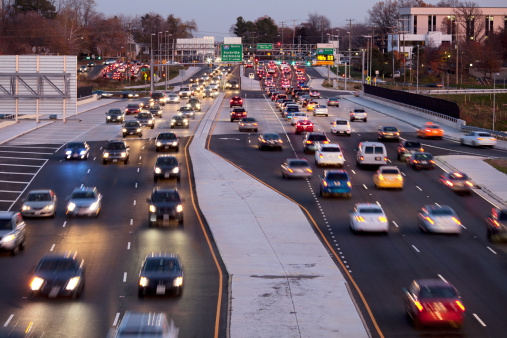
point(166, 147)
point(424, 162)
point(166, 175)
point(377, 158)
point(341, 131)
point(166, 217)
point(131, 133)
point(160, 289)
point(179, 124)
point(54, 292)
point(115, 160)
point(75, 155)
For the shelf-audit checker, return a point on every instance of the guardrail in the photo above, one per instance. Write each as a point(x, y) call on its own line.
point(498, 134)
point(458, 91)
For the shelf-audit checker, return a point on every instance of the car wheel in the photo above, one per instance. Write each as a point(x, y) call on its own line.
point(104, 162)
point(123, 134)
point(399, 157)
point(22, 245)
point(157, 150)
point(474, 143)
point(187, 127)
point(491, 237)
point(280, 148)
point(177, 149)
point(140, 293)
point(155, 179)
point(365, 120)
point(172, 127)
point(152, 127)
point(178, 178)
point(126, 161)
point(180, 221)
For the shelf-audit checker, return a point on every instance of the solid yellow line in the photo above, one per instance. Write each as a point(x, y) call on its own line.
point(318, 228)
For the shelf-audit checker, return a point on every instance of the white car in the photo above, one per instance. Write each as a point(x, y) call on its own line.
point(298, 116)
point(358, 114)
point(368, 217)
point(320, 110)
point(172, 97)
point(440, 219)
point(340, 126)
point(478, 139)
point(329, 154)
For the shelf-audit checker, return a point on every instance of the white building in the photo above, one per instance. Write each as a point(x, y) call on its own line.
point(431, 26)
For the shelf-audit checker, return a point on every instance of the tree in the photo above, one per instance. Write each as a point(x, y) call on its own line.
point(318, 26)
point(448, 3)
point(470, 19)
point(266, 29)
point(42, 7)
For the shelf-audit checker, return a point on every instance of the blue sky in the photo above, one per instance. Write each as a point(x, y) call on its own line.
point(214, 18)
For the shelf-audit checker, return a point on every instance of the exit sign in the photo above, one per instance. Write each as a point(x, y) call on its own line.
point(232, 53)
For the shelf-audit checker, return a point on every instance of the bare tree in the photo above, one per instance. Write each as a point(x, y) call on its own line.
point(317, 25)
point(448, 3)
point(471, 20)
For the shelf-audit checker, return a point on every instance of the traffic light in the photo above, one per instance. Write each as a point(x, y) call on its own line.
point(293, 63)
point(308, 63)
point(256, 60)
point(88, 57)
point(99, 57)
point(279, 44)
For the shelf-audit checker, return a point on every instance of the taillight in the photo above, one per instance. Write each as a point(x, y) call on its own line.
point(385, 158)
point(470, 184)
point(321, 156)
point(349, 184)
point(456, 220)
point(360, 218)
point(418, 305)
point(324, 183)
point(290, 170)
point(308, 142)
point(429, 220)
point(382, 219)
point(361, 158)
point(495, 222)
point(449, 183)
point(309, 170)
point(380, 177)
point(460, 305)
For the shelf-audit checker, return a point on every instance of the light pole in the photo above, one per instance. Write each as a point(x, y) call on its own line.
point(167, 58)
point(368, 52)
point(494, 88)
point(151, 63)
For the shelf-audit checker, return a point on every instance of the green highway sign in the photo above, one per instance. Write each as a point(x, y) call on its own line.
point(325, 51)
point(231, 53)
point(265, 46)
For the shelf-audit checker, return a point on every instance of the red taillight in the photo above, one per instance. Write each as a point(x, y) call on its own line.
point(308, 142)
point(361, 158)
point(385, 158)
point(495, 222)
point(470, 184)
point(321, 156)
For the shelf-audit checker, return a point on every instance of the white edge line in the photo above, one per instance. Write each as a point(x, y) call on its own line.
point(116, 318)
point(9, 320)
point(52, 247)
point(124, 277)
point(493, 251)
point(413, 246)
point(479, 320)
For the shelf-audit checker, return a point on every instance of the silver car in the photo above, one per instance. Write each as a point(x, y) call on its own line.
point(320, 110)
point(248, 123)
point(439, 219)
point(296, 167)
point(39, 203)
point(85, 201)
point(138, 324)
point(173, 98)
point(12, 232)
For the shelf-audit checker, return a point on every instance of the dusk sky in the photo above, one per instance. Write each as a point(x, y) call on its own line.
point(214, 18)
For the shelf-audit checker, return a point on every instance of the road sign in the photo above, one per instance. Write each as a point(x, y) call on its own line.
point(327, 58)
point(144, 69)
point(325, 63)
point(232, 53)
point(265, 46)
point(145, 76)
point(325, 51)
point(251, 75)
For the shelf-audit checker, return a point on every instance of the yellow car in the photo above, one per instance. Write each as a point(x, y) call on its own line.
point(311, 105)
point(388, 177)
point(430, 130)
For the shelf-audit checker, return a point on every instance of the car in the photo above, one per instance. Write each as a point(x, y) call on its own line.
point(296, 168)
point(269, 140)
point(408, 147)
point(358, 114)
point(12, 232)
point(312, 140)
point(185, 92)
point(167, 141)
point(208, 92)
point(115, 151)
point(305, 99)
point(296, 116)
point(109, 62)
point(84, 201)
point(285, 104)
point(39, 203)
point(368, 217)
point(91, 64)
point(388, 133)
point(187, 111)
point(173, 98)
point(115, 115)
point(82, 69)
point(457, 181)
point(421, 161)
point(310, 105)
point(478, 139)
point(248, 123)
point(439, 219)
point(128, 94)
point(335, 182)
point(320, 109)
point(139, 324)
point(134, 108)
point(340, 126)
point(195, 104)
point(238, 114)
point(166, 166)
point(433, 302)
point(329, 154)
point(156, 111)
point(304, 126)
point(158, 98)
point(232, 85)
point(289, 110)
point(333, 101)
point(315, 94)
point(496, 225)
point(146, 120)
point(160, 273)
point(435, 85)
point(132, 128)
point(388, 177)
point(430, 130)
point(101, 93)
point(146, 104)
point(77, 151)
point(180, 121)
point(236, 101)
point(371, 153)
point(164, 206)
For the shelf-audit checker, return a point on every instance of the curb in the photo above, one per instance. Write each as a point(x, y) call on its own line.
point(26, 132)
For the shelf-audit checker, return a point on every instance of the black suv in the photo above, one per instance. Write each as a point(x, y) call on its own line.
point(132, 128)
point(496, 224)
point(312, 140)
point(158, 98)
point(166, 166)
point(167, 141)
point(406, 148)
point(194, 104)
point(115, 115)
point(164, 205)
point(115, 151)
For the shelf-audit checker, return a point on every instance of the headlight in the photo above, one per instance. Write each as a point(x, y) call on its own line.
point(150, 122)
point(109, 117)
point(124, 130)
point(179, 208)
point(106, 155)
point(143, 281)
point(157, 170)
point(26, 207)
point(176, 170)
point(82, 152)
point(94, 206)
point(49, 207)
point(8, 238)
point(172, 121)
point(175, 143)
point(153, 208)
point(71, 285)
point(159, 144)
point(71, 206)
point(36, 283)
point(138, 129)
point(123, 154)
point(68, 152)
point(178, 281)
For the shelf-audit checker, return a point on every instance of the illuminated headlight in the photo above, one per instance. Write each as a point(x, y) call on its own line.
point(49, 207)
point(179, 208)
point(109, 117)
point(159, 144)
point(153, 208)
point(138, 130)
point(82, 152)
point(8, 238)
point(68, 152)
point(25, 207)
point(150, 122)
point(71, 206)
point(158, 170)
point(124, 130)
point(36, 283)
point(176, 170)
point(71, 285)
point(185, 120)
point(143, 281)
point(175, 143)
point(106, 155)
point(94, 206)
point(123, 154)
point(198, 105)
point(178, 281)
point(172, 121)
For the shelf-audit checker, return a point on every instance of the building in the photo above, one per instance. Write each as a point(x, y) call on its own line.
point(433, 26)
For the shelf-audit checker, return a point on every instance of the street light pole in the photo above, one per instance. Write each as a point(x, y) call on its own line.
point(151, 63)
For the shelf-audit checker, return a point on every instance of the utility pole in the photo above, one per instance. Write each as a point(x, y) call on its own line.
point(350, 44)
point(130, 51)
point(457, 50)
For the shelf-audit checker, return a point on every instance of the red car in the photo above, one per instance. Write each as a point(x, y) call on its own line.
point(304, 125)
point(238, 114)
point(236, 101)
point(133, 109)
point(434, 302)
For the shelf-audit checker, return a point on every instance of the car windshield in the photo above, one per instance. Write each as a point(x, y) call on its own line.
point(412, 145)
point(337, 177)
point(131, 124)
point(333, 99)
point(114, 111)
point(75, 145)
point(330, 150)
point(299, 164)
point(442, 212)
point(271, 136)
point(389, 171)
point(5, 224)
point(186, 109)
point(155, 108)
point(390, 129)
point(178, 117)
point(423, 157)
point(317, 137)
point(167, 136)
point(432, 127)
point(167, 160)
point(82, 195)
point(358, 110)
point(39, 197)
point(132, 106)
point(115, 146)
point(57, 265)
point(370, 211)
point(169, 196)
point(184, 89)
point(143, 116)
point(484, 134)
point(342, 122)
point(321, 106)
point(161, 265)
point(248, 119)
point(293, 109)
point(157, 95)
point(172, 95)
point(437, 292)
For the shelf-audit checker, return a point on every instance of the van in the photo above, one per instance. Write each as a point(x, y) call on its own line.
point(371, 153)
